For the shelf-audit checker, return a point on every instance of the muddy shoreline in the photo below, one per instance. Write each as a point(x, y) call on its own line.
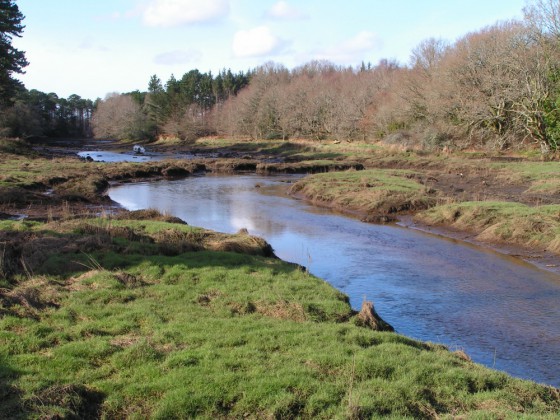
point(542, 259)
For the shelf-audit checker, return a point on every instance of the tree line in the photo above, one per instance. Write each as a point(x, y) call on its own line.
point(498, 88)
point(25, 112)
point(179, 109)
point(35, 113)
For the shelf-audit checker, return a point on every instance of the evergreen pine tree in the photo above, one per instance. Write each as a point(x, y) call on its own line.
point(12, 60)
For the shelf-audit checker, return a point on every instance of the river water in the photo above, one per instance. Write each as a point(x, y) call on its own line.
point(127, 156)
point(501, 311)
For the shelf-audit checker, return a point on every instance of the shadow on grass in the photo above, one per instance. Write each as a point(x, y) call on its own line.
point(11, 405)
point(72, 401)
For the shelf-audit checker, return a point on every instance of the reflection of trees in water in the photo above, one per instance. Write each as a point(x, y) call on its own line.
point(230, 201)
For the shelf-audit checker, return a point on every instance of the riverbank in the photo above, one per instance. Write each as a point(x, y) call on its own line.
point(447, 194)
point(140, 315)
point(530, 232)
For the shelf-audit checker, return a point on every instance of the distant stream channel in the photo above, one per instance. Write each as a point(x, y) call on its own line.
point(503, 312)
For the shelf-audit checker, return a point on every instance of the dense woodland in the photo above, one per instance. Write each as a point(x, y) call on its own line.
point(180, 109)
point(496, 88)
point(35, 113)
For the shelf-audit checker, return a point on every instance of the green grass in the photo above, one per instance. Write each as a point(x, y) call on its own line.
point(71, 179)
point(496, 221)
point(542, 177)
point(550, 186)
point(216, 334)
point(370, 191)
point(137, 318)
point(532, 171)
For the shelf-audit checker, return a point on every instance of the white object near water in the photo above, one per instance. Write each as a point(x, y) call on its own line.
point(139, 149)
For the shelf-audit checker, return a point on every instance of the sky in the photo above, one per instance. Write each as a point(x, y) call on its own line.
point(95, 47)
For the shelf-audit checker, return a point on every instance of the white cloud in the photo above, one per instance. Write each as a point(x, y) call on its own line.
point(171, 58)
point(166, 13)
point(351, 50)
point(363, 41)
point(256, 42)
point(282, 10)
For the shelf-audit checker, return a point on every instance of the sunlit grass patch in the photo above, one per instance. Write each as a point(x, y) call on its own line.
point(543, 177)
point(141, 316)
point(532, 170)
point(133, 330)
point(371, 191)
point(502, 222)
point(549, 186)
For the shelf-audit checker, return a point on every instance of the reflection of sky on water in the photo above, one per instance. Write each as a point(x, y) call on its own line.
point(428, 288)
point(104, 156)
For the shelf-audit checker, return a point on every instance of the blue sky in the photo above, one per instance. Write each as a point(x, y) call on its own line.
point(94, 47)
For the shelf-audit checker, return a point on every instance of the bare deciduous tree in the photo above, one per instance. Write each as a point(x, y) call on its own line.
point(118, 116)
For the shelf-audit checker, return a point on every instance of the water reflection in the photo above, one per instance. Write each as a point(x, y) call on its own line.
point(129, 156)
point(500, 310)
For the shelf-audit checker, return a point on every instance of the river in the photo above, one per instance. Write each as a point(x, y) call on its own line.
point(503, 312)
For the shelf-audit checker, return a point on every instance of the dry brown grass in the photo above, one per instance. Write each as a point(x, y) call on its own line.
point(79, 400)
point(282, 309)
point(30, 298)
point(148, 214)
point(501, 222)
point(379, 195)
point(462, 355)
point(124, 341)
point(128, 280)
point(241, 244)
point(77, 283)
point(544, 186)
point(368, 317)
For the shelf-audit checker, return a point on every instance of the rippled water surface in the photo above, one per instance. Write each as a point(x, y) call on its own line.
point(503, 312)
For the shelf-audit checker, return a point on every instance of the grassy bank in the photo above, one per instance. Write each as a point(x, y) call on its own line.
point(381, 195)
point(539, 177)
point(378, 194)
point(501, 222)
point(28, 178)
point(140, 317)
